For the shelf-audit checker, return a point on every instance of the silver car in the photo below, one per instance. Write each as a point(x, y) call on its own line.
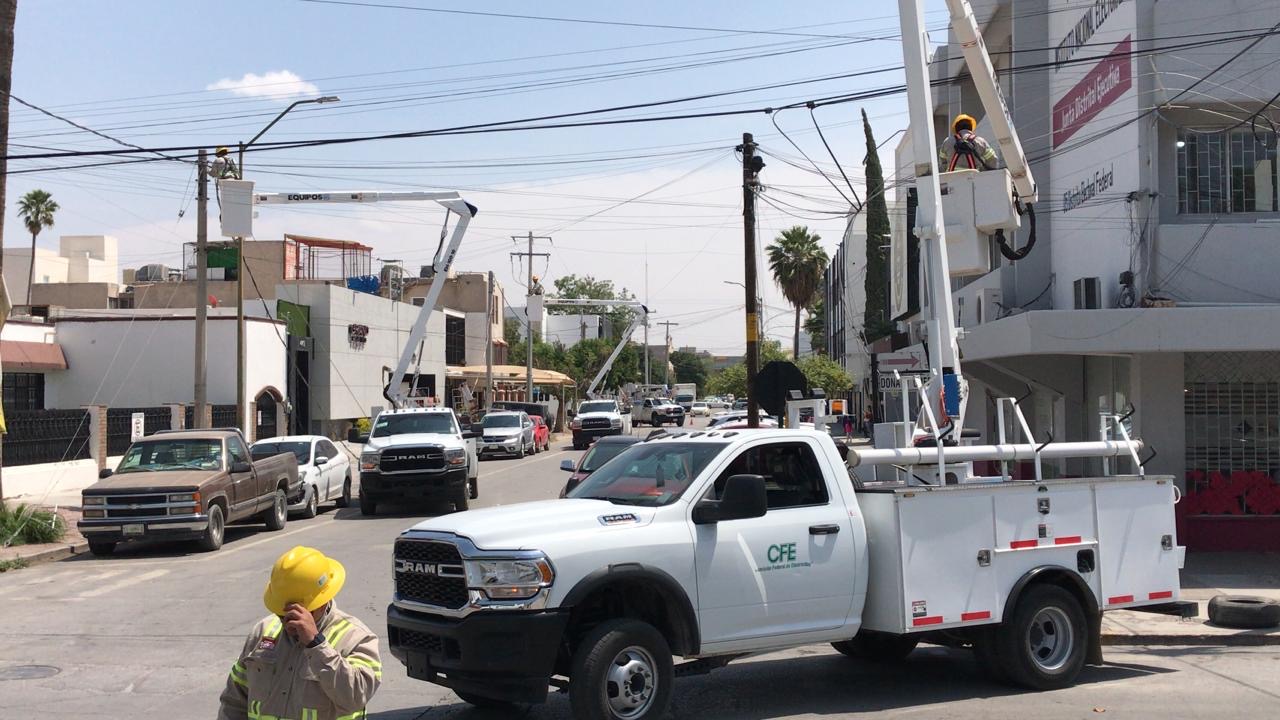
point(507, 433)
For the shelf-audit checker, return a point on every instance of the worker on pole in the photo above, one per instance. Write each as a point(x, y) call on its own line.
point(964, 148)
point(307, 660)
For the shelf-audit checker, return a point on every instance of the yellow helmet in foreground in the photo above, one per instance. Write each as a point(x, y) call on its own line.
point(304, 576)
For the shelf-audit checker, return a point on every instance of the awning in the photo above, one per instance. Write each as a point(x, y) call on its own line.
point(22, 355)
point(509, 373)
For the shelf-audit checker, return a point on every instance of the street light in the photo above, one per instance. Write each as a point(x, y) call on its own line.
point(241, 264)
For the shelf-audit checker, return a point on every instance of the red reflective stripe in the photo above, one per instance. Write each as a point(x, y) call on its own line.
point(931, 620)
point(1068, 540)
point(1120, 599)
point(1021, 544)
point(1162, 595)
point(983, 615)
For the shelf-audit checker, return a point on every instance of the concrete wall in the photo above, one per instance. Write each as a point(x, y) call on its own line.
point(1157, 385)
point(75, 294)
point(147, 360)
point(1251, 77)
point(50, 267)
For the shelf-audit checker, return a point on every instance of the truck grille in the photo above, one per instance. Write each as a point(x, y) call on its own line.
point(430, 588)
point(595, 423)
point(409, 459)
point(135, 506)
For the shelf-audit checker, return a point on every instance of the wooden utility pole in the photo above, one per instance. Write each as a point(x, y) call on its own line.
point(666, 377)
point(528, 321)
point(486, 400)
point(751, 166)
point(242, 403)
point(8, 15)
point(202, 289)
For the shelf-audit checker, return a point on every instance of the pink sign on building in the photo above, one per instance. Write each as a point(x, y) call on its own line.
point(1104, 84)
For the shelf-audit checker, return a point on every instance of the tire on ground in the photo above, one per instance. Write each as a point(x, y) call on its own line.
point(1044, 644)
point(590, 688)
point(212, 538)
point(881, 647)
point(368, 506)
point(278, 515)
point(1244, 611)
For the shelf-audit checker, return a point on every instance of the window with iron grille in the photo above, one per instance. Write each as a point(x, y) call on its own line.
point(23, 391)
point(1226, 171)
point(455, 340)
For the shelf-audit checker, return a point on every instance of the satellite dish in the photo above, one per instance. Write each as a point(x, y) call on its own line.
point(774, 383)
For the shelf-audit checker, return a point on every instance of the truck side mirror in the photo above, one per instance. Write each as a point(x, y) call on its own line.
point(571, 412)
point(743, 497)
point(567, 465)
point(240, 466)
point(470, 435)
point(355, 436)
point(105, 473)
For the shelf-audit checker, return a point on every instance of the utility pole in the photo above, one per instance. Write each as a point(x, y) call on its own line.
point(487, 399)
point(241, 266)
point(8, 15)
point(528, 321)
point(202, 287)
point(667, 370)
point(751, 166)
point(647, 381)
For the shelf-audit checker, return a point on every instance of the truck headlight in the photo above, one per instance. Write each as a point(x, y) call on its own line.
point(94, 514)
point(576, 424)
point(93, 500)
point(509, 579)
point(615, 422)
point(455, 456)
point(369, 461)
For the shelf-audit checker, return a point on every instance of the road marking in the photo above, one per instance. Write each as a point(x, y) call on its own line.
point(522, 463)
point(127, 582)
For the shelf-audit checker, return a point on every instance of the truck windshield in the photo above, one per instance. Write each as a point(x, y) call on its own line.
point(594, 407)
point(156, 455)
point(263, 450)
point(599, 454)
point(649, 474)
point(500, 421)
point(436, 423)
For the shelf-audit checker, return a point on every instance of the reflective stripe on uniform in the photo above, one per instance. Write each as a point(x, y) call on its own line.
point(357, 715)
point(272, 629)
point(362, 661)
point(335, 633)
point(237, 675)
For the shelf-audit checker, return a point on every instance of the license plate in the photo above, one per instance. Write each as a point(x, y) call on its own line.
point(133, 529)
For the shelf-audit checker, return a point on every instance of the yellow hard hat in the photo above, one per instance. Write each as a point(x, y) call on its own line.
point(222, 150)
point(304, 576)
point(972, 123)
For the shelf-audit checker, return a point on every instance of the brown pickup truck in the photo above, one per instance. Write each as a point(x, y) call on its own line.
point(186, 485)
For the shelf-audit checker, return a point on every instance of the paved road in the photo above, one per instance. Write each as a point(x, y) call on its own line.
point(151, 633)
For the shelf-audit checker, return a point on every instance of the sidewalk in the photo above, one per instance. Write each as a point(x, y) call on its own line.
point(1205, 575)
point(73, 543)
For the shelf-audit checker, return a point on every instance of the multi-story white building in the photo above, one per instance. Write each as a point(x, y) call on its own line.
point(90, 262)
point(1152, 281)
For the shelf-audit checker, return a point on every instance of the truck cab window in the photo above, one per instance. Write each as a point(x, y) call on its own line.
point(791, 474)
point(239, 453)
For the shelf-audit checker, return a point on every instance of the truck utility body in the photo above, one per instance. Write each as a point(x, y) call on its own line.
point(713, 545)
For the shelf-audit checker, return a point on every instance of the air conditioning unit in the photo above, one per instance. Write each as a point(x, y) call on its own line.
point(418, 301)
point(1088, 293)
point(130, 276)
point(989, 302)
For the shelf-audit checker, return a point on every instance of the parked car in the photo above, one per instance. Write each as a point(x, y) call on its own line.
point(507, 433)
point(186, 485)
point(541, 433)
point(738, 419)
point(605, 449)
point(716, 403)
point(739, 405)
point(323, 469)
point(657, 411)
point(597, 418)
point(700, 409)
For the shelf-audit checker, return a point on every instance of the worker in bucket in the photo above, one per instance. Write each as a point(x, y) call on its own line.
point(963, 148)
point(306, 660)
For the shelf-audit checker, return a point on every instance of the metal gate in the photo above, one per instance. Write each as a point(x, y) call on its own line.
point(120, 425)
point(45, 436)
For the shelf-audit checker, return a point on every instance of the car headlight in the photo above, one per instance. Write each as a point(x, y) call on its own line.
point(93, 500)
point(455, 456)
point(369, 461)
point(509, 579)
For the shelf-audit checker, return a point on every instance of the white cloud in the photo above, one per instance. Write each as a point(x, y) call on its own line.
point(273, 84)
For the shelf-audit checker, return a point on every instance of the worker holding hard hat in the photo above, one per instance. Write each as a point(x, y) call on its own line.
point(963, 148)
point(307, 660)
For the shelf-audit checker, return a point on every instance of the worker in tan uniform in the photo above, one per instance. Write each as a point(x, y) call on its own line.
point(307, 660)
point(964, 148)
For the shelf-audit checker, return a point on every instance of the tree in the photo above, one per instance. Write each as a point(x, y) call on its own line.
point(690, 369)
point(733, 379)
point(876, 322)
point(797, 262)
point(572, 287)
point(823, 372)
point(36, 209)
point(816, 326)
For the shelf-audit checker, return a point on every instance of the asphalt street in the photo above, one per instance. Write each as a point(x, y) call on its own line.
point(152, 633)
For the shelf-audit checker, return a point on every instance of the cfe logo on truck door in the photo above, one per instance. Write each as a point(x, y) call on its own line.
point(782, 556)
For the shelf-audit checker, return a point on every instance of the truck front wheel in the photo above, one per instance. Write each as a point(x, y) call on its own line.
point(1044, 644)
point(880, 647)
point(622, 670)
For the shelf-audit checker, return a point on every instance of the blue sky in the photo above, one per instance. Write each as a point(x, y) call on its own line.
point(142, 71)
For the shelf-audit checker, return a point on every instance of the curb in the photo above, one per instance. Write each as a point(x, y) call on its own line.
point(1243, 639)
point(54, 553)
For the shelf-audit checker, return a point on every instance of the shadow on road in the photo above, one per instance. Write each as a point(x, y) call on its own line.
point(818, 683)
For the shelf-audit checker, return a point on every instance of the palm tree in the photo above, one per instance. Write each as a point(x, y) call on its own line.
point(797, 262)
point(36, 209)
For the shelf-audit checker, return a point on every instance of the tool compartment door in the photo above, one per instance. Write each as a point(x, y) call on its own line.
point(943, 583)
point(1138, 544)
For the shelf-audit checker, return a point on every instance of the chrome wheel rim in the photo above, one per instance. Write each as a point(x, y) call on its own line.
point(631, 683)
point(1050, 639)
point(216, 527)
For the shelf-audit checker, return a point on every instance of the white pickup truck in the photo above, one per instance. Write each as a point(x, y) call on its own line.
point(419, 453)
point(715, 545)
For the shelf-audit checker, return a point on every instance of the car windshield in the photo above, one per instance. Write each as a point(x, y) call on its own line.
point(156, 455)
point(436, 423)
point(599, 454)
point(594, 407)
point(501, 421)
point(649, 474)
point(300, 450)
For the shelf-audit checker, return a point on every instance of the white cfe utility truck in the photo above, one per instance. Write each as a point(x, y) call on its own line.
point(708, 546)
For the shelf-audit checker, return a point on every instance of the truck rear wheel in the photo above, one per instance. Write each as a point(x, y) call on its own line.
point(877, 646)
point(622, 670)
point(1044, 644)
point(276, 517)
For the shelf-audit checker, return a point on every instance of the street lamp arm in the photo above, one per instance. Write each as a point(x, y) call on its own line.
point(284, 112)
